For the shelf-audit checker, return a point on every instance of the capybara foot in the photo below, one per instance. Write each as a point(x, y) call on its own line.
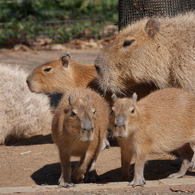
point(175, 175)
point(64, 184)
point(137, 182)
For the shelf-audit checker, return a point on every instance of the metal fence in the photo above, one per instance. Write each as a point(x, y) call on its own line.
point(64, 20)
point(61, 20)
point(131, 10)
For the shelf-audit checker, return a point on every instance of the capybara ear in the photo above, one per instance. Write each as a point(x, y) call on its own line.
point(134, 97)
point(70, 100)
point(114, 97)
point(152, 27)
point(65, 59)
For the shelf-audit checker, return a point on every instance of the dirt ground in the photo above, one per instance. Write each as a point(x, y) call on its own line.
point(35, 161)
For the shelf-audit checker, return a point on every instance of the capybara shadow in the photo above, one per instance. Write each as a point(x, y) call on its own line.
point(34, 140)
point(49, 174)
point(154, 170)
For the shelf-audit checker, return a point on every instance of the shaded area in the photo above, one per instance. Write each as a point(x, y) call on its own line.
point(49, 174)
point(55, 99)
point(154, 170)
point(34, 140)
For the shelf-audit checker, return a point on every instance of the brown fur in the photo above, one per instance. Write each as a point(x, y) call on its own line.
point(159, 50)
point(60, 75)
point(159, 123)
point(63, 74)
point(73, 138)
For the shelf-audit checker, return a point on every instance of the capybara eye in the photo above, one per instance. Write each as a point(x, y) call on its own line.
point(47, 69)
point(133, 110)
point(128, 42)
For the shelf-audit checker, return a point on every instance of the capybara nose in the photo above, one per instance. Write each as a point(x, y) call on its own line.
point(87, 125)
point(120, 121)
point(88, 129)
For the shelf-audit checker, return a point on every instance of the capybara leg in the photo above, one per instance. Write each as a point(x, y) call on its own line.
point(193, 157)
point(187, 152)
point(105, 145)
point(126, 156)
point(184, 167)
point(138, 179)
point(91, 174)
point(65, 178)
point(81, 167)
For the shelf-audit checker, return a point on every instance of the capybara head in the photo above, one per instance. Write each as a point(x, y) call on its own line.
point(61, 75)
point(79, 118)
point(124, 116)
point(53, 76)
point(134, 54)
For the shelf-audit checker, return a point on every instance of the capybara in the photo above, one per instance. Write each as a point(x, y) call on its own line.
point(63, 74)
point(159, 123)
point(79, 128)
point(22, 113)
point(159, 50)
point(60, 75)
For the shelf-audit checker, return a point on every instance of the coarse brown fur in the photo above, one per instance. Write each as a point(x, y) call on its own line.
point(159, 123)
point(159, 50)
point(79, 129)
point(60, 75)
point(63, 74)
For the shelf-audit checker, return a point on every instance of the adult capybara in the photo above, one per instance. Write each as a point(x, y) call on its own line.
point(159, 123)
point(22, 113)
point(79, 128)
point(159, 50)
point(63, 74)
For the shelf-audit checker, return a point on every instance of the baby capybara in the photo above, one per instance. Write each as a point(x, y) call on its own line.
point(159, 123)
point(79, 128)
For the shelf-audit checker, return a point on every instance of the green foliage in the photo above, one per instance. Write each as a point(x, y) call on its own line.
point(63, 19)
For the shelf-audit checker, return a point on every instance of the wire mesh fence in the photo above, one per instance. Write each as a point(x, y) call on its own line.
point(131, 10)
point(61, 20)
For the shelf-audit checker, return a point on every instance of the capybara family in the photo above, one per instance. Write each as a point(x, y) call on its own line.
point(22, 113)
point(79, 128)
point(159, 123)
point(159, 50)
point(63, 74)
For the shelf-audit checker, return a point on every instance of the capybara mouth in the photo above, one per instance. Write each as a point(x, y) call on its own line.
point(87, 135)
